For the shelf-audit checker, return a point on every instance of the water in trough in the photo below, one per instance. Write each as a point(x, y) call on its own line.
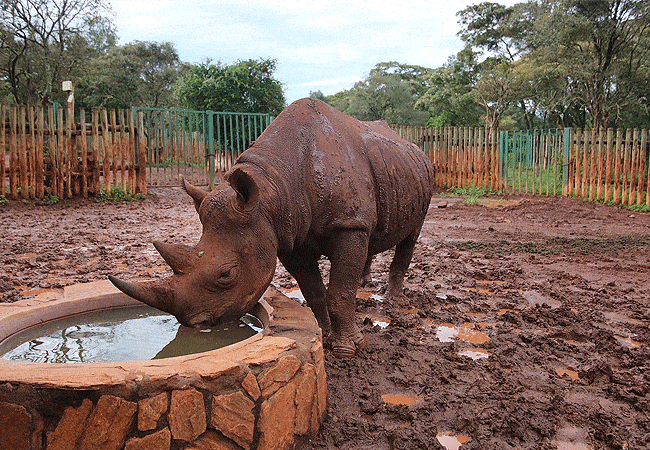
point(122, 334)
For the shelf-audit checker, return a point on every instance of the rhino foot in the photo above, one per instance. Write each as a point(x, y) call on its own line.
point(368, 282)
point(347, 348)
point(396, 297)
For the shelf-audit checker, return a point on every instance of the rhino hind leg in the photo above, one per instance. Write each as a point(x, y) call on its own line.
point(366, 276)
point(401, 262)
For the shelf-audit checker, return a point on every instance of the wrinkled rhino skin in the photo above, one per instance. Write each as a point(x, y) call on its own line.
point(316, 182)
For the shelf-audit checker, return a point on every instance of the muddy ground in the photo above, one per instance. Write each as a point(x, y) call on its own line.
point(525, 322)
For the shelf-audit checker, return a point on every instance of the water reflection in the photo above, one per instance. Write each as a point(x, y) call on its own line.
point(136, 333)
point(452, 442)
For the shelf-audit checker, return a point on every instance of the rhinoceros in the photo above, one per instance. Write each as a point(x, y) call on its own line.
point(315, 183)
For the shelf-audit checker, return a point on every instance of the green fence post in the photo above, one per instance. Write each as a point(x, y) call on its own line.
point(211, 150)
point(566, 141)
point(503, 151)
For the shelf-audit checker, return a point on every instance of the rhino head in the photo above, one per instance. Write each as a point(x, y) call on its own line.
point(225, 274)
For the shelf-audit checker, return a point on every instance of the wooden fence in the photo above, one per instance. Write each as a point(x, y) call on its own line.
point(461, 156)
point(609, 165)
point(46, 152)
point(599, 165)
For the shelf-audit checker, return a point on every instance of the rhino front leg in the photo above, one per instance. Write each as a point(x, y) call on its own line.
point(401, 261)
point(347, 254)
point(306, 272)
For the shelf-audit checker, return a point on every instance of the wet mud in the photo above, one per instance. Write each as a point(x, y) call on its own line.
point(525, 322)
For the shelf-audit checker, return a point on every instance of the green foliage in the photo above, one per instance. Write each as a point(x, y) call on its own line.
point(571, 62)
point(48, 200)
point(139, 73)
point(494, 27)
point(46, 41)
point(117, 194)
point(639, 208)
point(388, 93)
point(3, 200)
point(470, 194)
point(318, 95)
point(449, 99)
point(246, 86)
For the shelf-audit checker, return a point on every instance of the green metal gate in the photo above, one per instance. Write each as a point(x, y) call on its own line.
point(198, 145)
point(534, 161)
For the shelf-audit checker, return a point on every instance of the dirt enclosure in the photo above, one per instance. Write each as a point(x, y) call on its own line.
point(525, 321)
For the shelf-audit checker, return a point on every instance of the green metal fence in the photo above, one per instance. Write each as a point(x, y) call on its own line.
point(603, 165)
point(198, 145)
point(534, 161)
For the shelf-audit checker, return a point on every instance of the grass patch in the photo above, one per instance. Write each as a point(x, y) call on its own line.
point(470, 195)
point(117, 194)
point(638, 208)
point(48, 200)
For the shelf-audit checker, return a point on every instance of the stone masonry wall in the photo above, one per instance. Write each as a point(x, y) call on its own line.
point(265, 404)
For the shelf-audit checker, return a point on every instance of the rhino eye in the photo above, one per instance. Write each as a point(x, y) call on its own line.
point(226, 277)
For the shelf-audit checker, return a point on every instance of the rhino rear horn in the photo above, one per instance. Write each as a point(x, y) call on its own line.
point(181, 258)
point(197, 194)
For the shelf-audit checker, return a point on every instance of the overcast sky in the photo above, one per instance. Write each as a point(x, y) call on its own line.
point(323, 45)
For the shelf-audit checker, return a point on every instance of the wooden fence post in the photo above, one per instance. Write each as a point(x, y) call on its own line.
point(642, 168)
point(106, 144)
point(39, 153)
point(84, 153)
point(600, 175)
point(31, 153)
point(22, 154)
point(647, 178)
point(69, 148)
point(608, 165)
point(3, 146)
point(96, 185)
point(631, 191)
point(627, 145)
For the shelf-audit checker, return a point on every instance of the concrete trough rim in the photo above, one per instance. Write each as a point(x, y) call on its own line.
point(103, 295)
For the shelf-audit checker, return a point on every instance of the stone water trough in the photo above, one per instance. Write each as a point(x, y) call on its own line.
point(260, 393)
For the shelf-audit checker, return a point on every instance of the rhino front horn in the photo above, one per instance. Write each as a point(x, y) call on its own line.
point(150, 293)
point(197, 194)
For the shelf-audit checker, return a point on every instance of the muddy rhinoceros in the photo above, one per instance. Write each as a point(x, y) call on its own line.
point(316, 182)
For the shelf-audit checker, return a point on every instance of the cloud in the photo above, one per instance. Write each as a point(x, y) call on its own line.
point(319, 44)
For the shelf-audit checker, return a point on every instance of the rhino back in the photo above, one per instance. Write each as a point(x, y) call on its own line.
point(404, 184)
point(331, 172)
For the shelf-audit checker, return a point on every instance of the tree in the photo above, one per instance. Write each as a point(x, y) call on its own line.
point(496, 28)
point(389, 92)
point(579, 62)
point(606, 40)
point(317, 95)
point(136, 74)
point(42, 43)
point(449, 100)
point(246, 86)
point(496, 90)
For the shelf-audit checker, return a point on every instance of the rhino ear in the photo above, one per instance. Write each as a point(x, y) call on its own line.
point(247, 190)
point(197, 194)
